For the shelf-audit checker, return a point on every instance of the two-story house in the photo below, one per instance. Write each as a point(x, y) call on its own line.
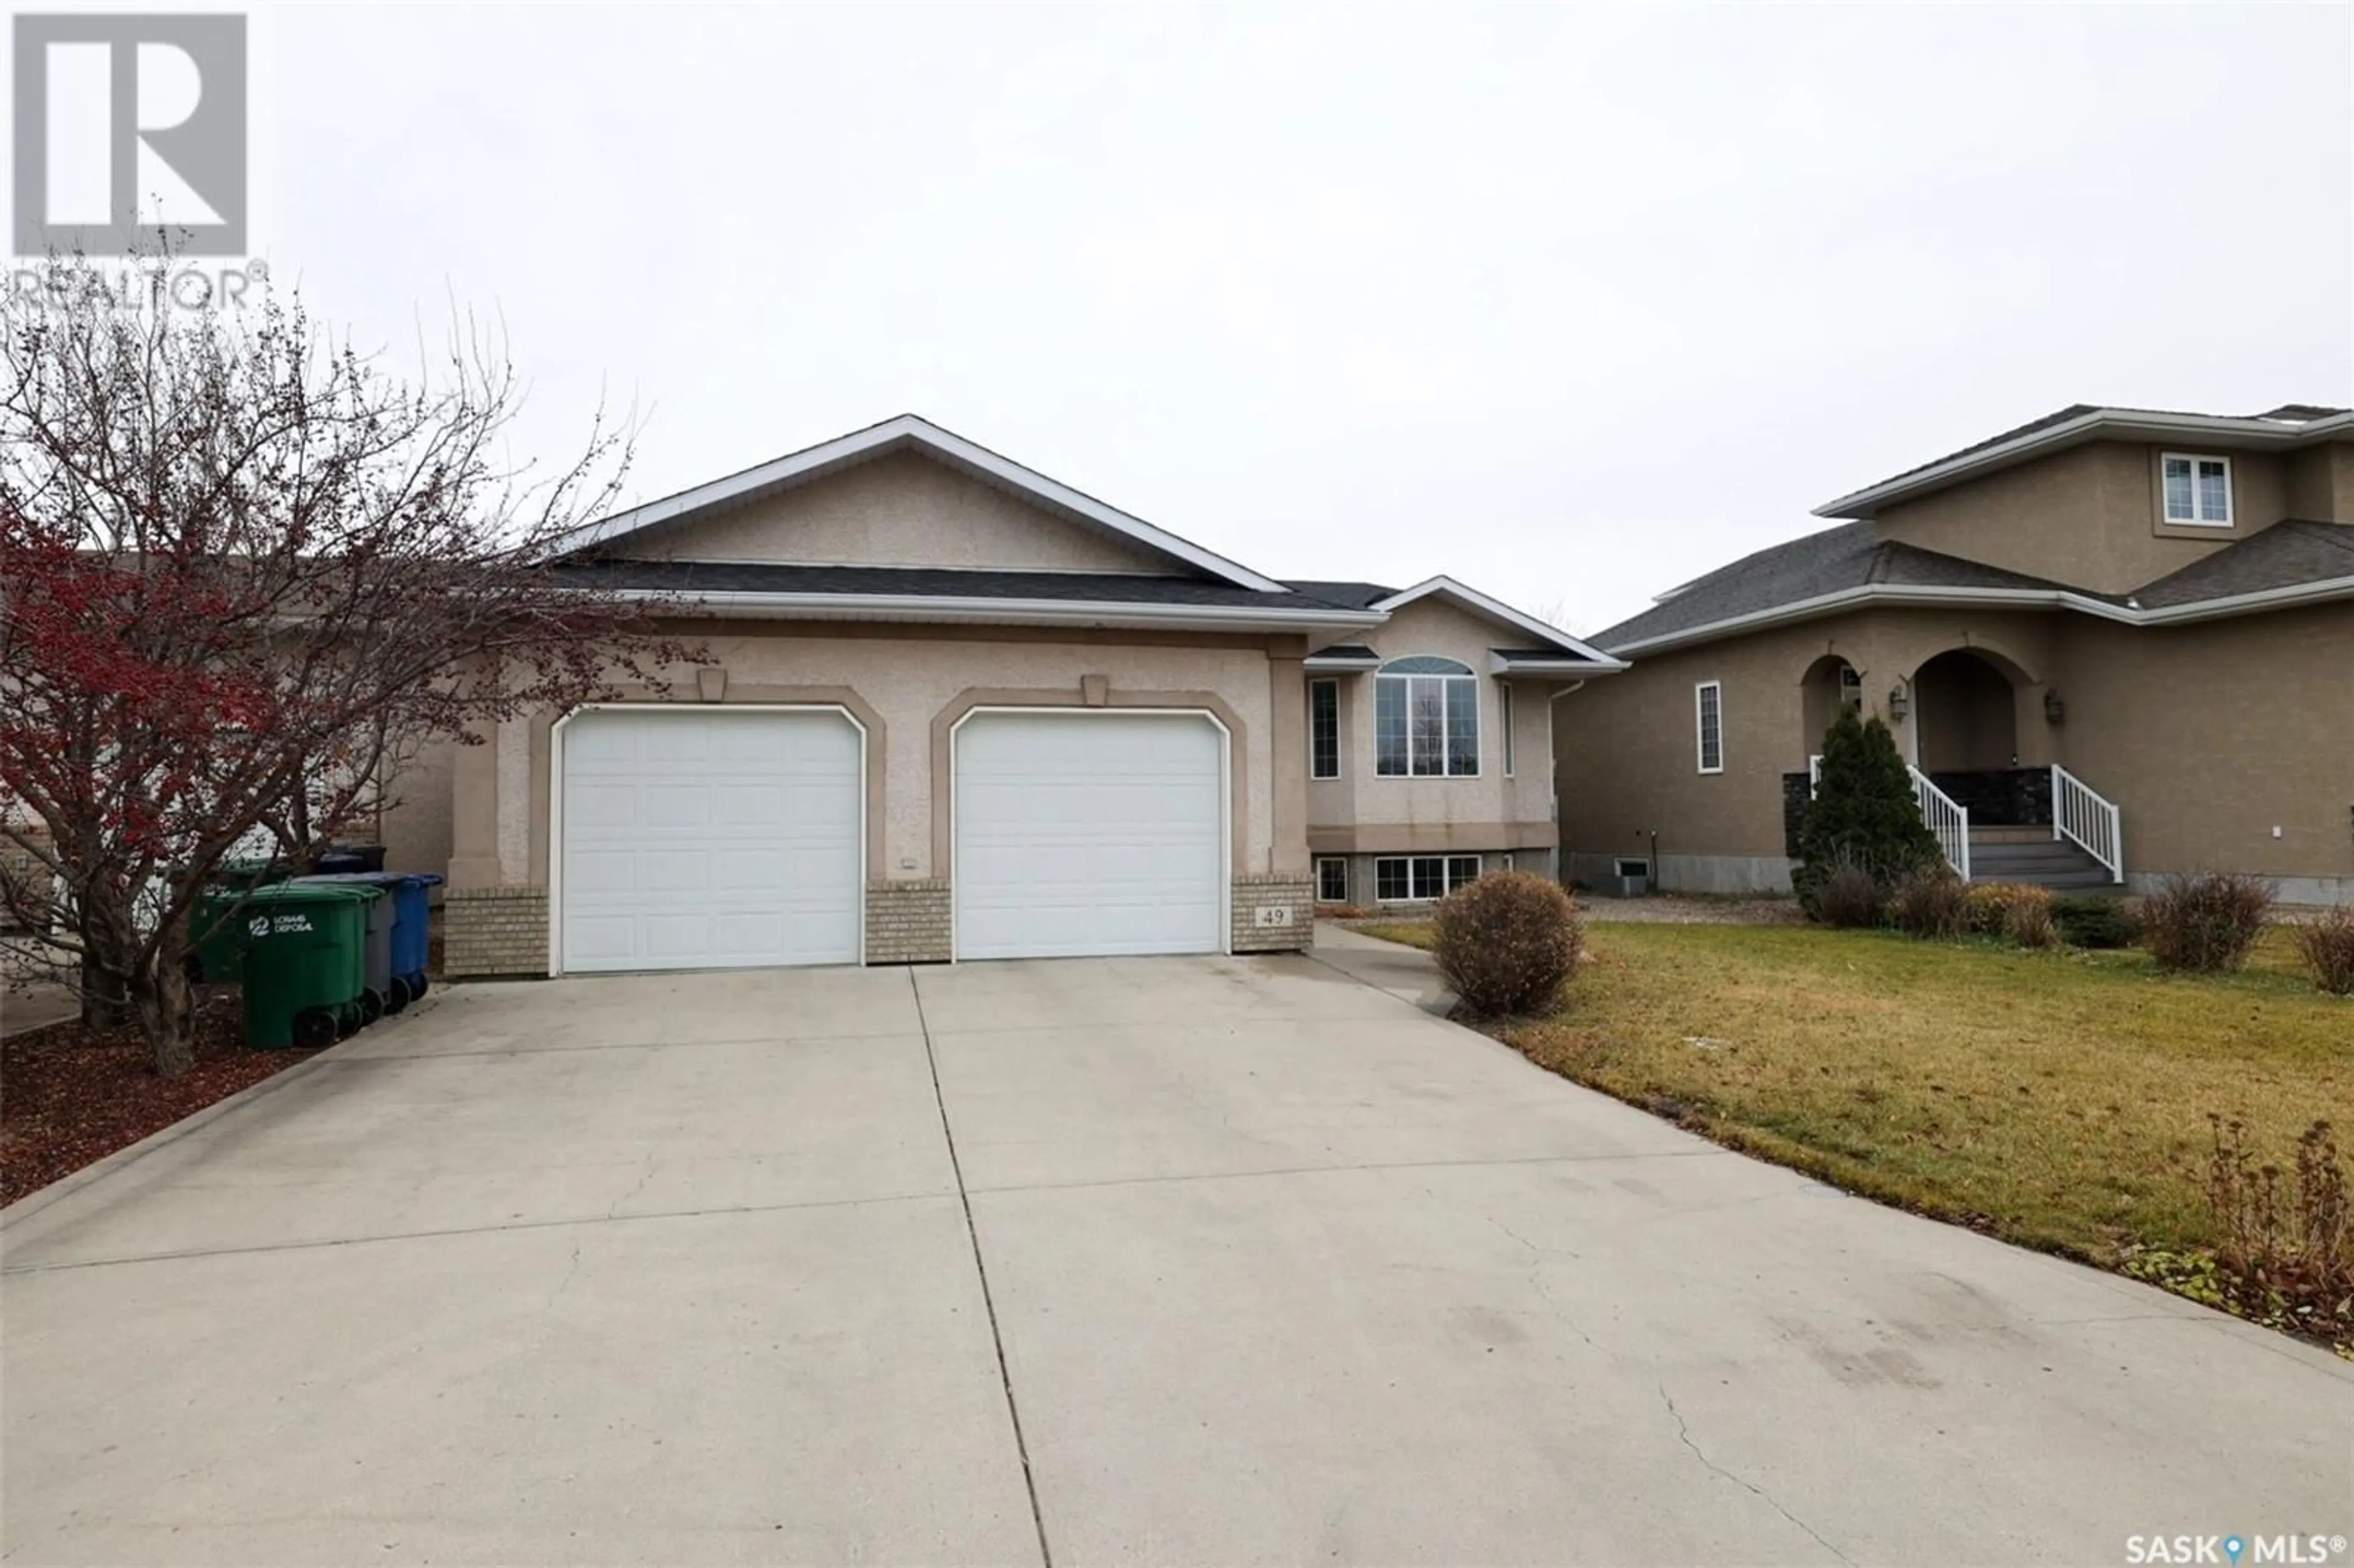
point(2115, 643)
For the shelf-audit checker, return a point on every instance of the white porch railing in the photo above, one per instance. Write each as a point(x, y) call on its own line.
point(2079, 814)
point(1948, 818)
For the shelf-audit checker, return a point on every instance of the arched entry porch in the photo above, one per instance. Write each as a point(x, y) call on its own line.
point(1966, 736)
point(1829, 684)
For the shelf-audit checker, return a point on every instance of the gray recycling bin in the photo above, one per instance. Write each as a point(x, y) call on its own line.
point(378, 950)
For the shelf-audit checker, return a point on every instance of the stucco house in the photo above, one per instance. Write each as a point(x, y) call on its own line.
point(959, 710)
point(2115, 643)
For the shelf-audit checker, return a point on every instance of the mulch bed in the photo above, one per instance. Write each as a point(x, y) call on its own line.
point(71, 1096)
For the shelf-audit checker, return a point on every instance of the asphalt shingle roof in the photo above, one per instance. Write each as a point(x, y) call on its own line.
point(1348, 595)
point(1849, 556)
point(2286, 412)
point(1100, 588)
point(2283, 556)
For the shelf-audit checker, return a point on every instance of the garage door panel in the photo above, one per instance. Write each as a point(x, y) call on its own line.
point(1089, 833)
point(711, 839)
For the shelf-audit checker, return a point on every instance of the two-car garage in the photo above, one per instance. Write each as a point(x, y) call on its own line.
point(731, 837)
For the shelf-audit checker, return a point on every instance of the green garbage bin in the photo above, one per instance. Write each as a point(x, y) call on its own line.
point(220, 942)
point(305, 962)
point(377, 998)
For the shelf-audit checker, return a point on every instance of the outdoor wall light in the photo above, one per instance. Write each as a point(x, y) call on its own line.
point(1896, 704)
point(2055, 710)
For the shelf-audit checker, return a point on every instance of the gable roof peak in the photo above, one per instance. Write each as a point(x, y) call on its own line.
point(912, 432)
point(1497, 609)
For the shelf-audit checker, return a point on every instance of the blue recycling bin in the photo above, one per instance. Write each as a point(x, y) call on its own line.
point(408, 892)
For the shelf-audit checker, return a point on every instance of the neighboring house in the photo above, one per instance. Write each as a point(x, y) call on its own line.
point(2140, 623)
point(959, 710)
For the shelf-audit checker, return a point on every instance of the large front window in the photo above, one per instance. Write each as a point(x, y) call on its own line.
point(1425, 719)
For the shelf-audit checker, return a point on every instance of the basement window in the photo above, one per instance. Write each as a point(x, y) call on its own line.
point(1417, 879)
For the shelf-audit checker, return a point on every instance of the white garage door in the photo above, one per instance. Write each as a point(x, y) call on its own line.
point(705, 839)
point(1088, 832)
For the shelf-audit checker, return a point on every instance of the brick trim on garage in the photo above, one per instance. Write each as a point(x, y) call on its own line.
point(488, 932)
point(908, 921)
point(1286, 891)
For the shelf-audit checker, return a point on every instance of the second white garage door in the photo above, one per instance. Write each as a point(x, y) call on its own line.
point(705, 839)
point(1087, 833)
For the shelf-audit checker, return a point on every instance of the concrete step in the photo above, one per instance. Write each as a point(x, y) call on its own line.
point(2094, 881)
point(2005, 854)
point(2045, 862)
point(2009, 835)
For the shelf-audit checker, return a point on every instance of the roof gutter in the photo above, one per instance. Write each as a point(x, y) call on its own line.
point(959, 610)
point(2006, 598)
point(2112, 422)
point(1503, 664)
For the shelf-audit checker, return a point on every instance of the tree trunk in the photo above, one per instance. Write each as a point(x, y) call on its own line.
point(105, 978)
point(165, 1015)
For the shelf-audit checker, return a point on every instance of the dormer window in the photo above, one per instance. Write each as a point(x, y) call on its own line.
point(2198, 489)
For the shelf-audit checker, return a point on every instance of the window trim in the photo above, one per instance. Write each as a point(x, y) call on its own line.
point(1332, 687)
point(1447, 882)
point(1321, 861)
point(1504, 721)
point(1467, 675)
point(2166, 516)
point(1699, 726)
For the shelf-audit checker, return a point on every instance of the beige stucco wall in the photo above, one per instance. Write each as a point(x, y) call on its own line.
point(1362, 810)
point(2210, 735)
point(900, 680)
point(415, 827)
point(2090, 516)
point(2318, 482)
point(901, 510)
point(2206, 736)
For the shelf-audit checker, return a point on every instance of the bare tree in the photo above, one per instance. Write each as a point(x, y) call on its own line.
point(243, 570)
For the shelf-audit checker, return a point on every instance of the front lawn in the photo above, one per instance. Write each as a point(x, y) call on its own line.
point(2057, 1100)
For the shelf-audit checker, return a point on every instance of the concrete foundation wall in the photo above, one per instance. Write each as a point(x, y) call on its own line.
point(1729, 874)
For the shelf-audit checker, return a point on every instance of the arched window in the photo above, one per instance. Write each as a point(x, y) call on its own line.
point(1425, 719)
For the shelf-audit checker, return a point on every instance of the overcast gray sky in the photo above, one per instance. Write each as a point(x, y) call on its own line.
point(1572, 304)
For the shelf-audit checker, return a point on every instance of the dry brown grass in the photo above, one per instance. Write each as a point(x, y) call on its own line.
point(2059, 1100)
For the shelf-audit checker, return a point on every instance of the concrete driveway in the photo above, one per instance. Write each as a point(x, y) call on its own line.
point(1185, 1261)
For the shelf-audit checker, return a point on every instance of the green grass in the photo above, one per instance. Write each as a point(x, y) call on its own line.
point(2059, 1100)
